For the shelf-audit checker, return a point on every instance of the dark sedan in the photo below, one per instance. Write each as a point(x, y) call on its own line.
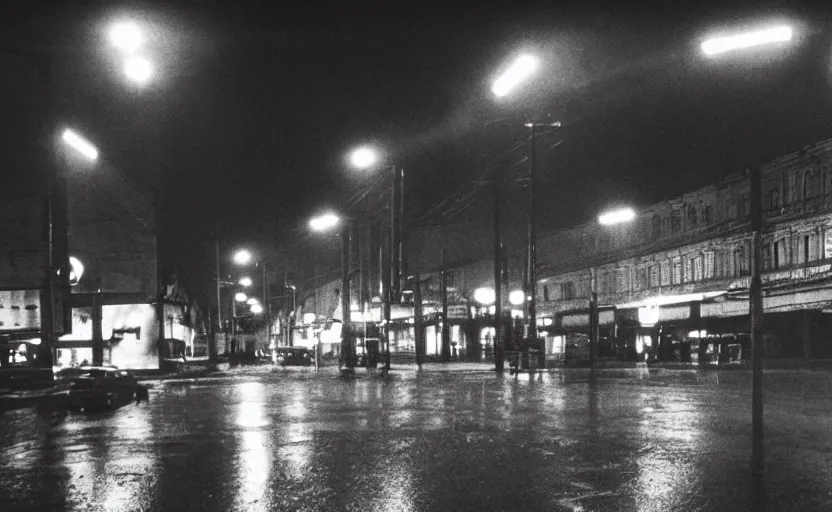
point(101, 388)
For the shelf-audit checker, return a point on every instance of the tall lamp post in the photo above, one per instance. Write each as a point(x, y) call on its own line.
point(366, 158)
point(243, 257)
point(327, 222)
point(610, 218)
point(56, 266)
point(519, 71)
point(713, 48)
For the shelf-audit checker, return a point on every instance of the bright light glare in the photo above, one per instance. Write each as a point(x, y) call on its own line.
point(126, 36)
point(484, 296)
point(80, 144)
point(240, 297)
point(76, 270)
point(242, 257)
point(324, 222)
point(245, 281)
point(519, 71)
point(138, 69)
point(256, 309)
point(517, 297)
point(617, 216)
point(252, 301)
point(363, 158)
point(747, 40)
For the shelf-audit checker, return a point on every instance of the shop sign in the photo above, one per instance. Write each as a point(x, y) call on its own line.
point(458, 312)
point(19, 310)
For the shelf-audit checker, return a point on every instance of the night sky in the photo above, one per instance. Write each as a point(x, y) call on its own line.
point(255, 105)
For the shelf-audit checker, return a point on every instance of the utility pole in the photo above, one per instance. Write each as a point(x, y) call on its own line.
point(212, 342)
point(593, 321)
point(160, 283)
point(268, 304)
point(756, 313)
point(417, 321)
point(395, 233)
point(499, 364)
point(532, 240)
point(443, 279)
point(532, 247)
point(346, 339)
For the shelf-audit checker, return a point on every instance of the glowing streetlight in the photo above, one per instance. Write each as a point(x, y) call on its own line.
point(717, 45)
point(138, 69)
point(126, 36)
point(363, 157)
point(517, 297)
point(520, 70)
point(324, 222)
point(80, 144)
point(256, 309)
point(252, 301)
point(76, 270)
point(240, 297)
point(619, 216)
point(242, 257)
point(484, 296)
point(245, 281)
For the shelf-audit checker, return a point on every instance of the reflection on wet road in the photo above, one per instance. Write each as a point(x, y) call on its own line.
point(277, 441)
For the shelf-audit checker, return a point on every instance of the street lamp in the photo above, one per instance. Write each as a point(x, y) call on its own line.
point(323, 223)
point(484, 296)
point(126, 36)
point(517, 297)
point(718, 45)
point(256, 309)
point(519, 71)
point(710, 47)
point(80, 144)
point(365, 157)
point(138, 69)
point(244, 257)
point(616, 216)
point(609, 218)
point(252, 301)
point(240, 297)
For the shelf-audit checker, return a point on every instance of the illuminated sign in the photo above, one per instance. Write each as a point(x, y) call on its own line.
point(19, 310)
point(648, 315)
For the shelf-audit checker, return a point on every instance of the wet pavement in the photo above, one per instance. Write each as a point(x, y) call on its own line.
point(262, 440)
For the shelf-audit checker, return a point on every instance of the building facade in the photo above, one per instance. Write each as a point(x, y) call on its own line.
point(673, 284)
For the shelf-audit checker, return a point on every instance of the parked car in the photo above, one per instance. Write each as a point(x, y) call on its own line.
point(101, 388)
point(294, 356)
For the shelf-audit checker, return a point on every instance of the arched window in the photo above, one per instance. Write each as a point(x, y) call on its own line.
point(656, 226)
point(691, 217)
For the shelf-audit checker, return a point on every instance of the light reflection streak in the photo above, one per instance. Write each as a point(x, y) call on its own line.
point(662, 476)
point(254, 462)
point(250, 409)
point(127, 459)
point(295, 454)
point(254, 471)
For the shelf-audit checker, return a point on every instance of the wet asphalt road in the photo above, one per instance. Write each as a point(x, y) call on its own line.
point(291, 441)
